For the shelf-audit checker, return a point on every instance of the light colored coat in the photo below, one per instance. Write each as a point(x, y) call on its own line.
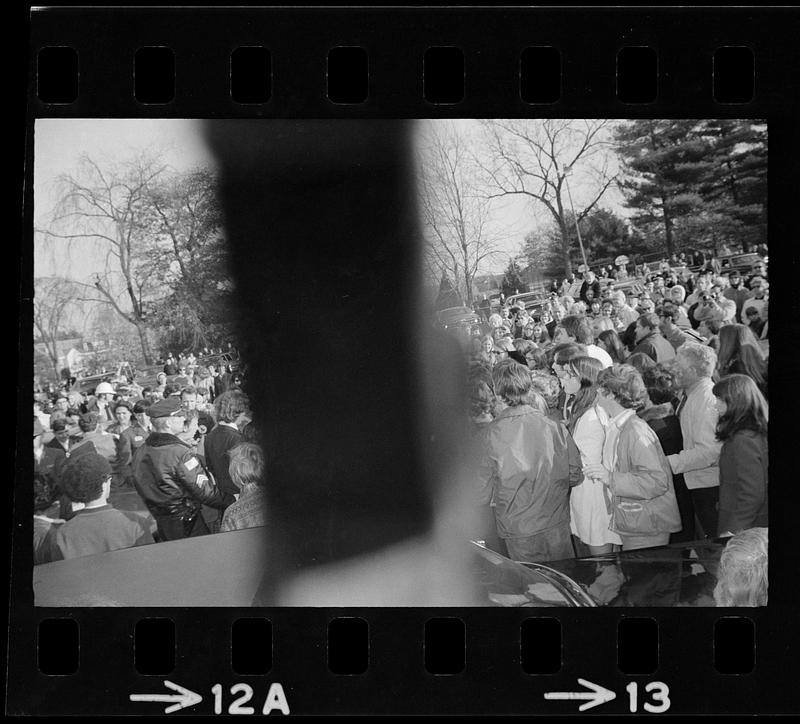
point(644, 495)
point(699, 459)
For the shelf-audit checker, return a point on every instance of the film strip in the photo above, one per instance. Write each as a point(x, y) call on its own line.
point(233, 645)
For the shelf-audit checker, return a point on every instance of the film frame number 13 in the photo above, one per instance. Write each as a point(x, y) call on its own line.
point(659, 692)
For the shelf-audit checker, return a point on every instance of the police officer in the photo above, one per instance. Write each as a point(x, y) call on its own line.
point(171, 479)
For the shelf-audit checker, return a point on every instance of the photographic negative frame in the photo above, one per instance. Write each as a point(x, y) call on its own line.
point(428, 658)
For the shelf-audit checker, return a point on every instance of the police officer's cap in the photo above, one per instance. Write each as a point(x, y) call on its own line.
point(168, 407)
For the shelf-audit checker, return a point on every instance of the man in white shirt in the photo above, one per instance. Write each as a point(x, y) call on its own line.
point(697, 412)
point(578, 329)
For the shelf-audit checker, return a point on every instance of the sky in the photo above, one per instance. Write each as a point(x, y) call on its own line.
point(514, 217)
point(59, 144)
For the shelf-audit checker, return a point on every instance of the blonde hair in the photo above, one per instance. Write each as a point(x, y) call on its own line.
point(247, 464)
point(742, 577)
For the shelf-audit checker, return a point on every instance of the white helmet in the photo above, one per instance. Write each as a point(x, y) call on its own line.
point(104, 388)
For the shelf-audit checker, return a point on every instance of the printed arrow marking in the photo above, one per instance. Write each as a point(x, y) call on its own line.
point(598, 695)
point(184, 697)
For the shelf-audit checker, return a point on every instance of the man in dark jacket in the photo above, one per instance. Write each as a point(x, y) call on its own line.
point(737, 292)
point(529, 464)
point(230, 407)
point(171, 479)
point(649, 340)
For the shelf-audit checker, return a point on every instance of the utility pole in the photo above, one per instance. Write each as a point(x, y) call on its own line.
point(575, 217)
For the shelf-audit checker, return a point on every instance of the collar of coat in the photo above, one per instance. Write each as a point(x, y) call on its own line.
point(657, 412)
point(161, 439)
point(517, 411)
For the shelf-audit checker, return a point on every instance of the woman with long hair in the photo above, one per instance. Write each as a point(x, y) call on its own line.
point(609, 341)
point(485, 354)
point(539, 334)
point(644, 510)
point(743, 461)
point(590, 515)
point(740, 353)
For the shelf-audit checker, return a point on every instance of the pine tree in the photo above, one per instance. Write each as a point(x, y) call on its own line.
point(696, 184)
point(512, 280)
point(448, 296)
point(664, 161)
point(734, 182)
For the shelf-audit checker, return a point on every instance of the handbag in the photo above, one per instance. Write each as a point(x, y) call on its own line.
point(630, 517)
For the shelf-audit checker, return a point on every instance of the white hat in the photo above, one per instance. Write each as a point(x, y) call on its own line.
point(104, 388)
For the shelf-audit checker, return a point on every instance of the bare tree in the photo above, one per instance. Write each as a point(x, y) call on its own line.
point(53, 304)
point(190, 255)
point(455, 210)
point(105, 214)
point(534, 157)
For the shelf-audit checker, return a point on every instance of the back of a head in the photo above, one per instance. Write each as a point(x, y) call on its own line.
point(578, 327)
point(625, 384)
point(563, 353)
point(547, 386)
point(743, 573)
point(701, 357)
point(88, 422)
point(229, 405)
point(247, 464)
point(83, 477)
point(648, 320)
point(610, 338)
point(660, 384)
point(512, 381)
point(171, 389)
point(141, 406)
point(524, 346)
point(641, 361)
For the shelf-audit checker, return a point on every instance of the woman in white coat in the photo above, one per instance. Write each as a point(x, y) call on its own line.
point(590, 511)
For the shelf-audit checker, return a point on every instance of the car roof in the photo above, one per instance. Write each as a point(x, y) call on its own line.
point(503, 582)
point(682, 574)
point(223, 569)
point(456, 310)
point(526, 298)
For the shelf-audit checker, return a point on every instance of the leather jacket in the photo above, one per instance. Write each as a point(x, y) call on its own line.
point(172, 480)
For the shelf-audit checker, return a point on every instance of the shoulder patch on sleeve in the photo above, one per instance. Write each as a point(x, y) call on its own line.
point(191, 464)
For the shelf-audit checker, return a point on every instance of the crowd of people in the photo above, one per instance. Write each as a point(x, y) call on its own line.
point(610, 421)
point(602, 421)
point(125, 465)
